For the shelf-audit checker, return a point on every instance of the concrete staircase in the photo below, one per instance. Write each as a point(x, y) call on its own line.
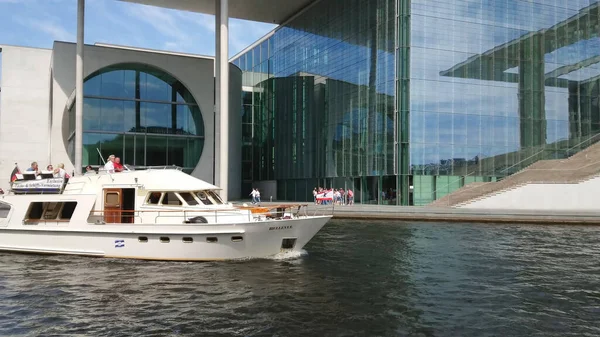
point(579, 167)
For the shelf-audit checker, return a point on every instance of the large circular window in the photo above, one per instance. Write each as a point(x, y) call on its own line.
point(140, 114)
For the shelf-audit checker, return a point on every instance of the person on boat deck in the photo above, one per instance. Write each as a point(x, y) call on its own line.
point(34, 167)
point(60, 172)
point(117, 164)
point(89, 169)
point(110, 164)
point(49, 168)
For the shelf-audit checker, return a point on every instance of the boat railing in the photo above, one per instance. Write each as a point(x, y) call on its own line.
point(155, 216)
point(164, 167)
point(323, 210)
point(299, 210)
point(111, 216)
point(195, 217)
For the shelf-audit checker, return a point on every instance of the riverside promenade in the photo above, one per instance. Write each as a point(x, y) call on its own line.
point(449, 214)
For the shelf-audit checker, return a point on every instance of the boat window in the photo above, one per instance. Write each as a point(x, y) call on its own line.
point(52, 209)
point(153, 198)
point(187, 239)
point(171, 199)
point(68, 209)
point(215, 197)
point(202, 196)
point(189, 198)
point(165, 239)
point(35, 211)
point(111, 199)
point(4, 210)
point(288, 243)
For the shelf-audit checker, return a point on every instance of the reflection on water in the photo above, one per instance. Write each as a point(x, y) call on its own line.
point(357, 278)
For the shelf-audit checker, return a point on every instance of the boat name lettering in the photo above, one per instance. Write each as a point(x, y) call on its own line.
point(279, 228)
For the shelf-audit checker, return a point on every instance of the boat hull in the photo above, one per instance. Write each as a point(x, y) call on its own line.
point(193, 242)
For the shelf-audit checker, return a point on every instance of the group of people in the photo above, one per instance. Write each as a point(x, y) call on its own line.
point(332, 196)
point(255, 194)
point(113, 164)
point(58, 172)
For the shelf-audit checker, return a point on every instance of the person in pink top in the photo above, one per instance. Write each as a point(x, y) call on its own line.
point(350, 197)
point(117, 164)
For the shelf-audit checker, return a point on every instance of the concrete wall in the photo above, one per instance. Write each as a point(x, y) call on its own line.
point(572, 197)
point(24, 109)
point(38, 86)
point(197, 74)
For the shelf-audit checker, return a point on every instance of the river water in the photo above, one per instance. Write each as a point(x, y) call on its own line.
point(357, 278)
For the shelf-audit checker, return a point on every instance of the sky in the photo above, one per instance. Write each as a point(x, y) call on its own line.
point(37, 23)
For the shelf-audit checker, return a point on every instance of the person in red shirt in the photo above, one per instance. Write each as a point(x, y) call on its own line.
point(118, 165)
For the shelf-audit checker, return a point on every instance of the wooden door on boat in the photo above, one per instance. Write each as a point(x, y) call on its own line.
point(113, 203)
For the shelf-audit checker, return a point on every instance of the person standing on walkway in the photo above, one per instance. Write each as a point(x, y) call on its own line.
point(257, 196)
point(253, 194)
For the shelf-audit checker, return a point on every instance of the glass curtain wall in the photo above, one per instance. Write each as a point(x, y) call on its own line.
point(405, 101)
point(322, 102)
point(497, 85)
point(140, 114)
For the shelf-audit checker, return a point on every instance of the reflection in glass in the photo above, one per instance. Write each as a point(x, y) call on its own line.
point(135, 111)
point(353, 92)
point(107, 144)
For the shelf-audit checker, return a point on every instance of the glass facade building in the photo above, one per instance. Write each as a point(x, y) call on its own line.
point(140, 114)
point(405, 101)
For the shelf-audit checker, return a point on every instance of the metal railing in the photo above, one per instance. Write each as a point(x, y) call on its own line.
point(461, 178)
point(165, 167)
point(568, 152)
point(210, 217)
point(539, 155)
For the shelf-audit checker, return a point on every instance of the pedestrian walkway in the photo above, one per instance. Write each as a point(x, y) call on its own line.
point(445, 214)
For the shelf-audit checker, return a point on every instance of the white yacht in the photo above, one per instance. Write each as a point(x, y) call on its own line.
point(153, 214)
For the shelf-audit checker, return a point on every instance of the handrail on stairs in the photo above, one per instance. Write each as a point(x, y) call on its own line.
point(592, 137)
point(449, 183)
point(523, 183)
point(544, 148)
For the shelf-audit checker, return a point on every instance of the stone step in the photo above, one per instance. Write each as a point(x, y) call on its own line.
point(579, 167)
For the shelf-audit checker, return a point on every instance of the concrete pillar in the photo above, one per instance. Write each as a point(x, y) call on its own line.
point(79, 88)
point(221, 96)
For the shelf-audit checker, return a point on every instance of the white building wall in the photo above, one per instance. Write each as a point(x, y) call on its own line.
point(197, 74)
point(572, 197)
point(24, 109)
point(39, 84)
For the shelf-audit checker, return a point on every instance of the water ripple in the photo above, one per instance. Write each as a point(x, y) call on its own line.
point(356, 278)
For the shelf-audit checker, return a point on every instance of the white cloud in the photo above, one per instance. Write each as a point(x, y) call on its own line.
point(122, 23)
point(47, 26)
point(195, 32)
